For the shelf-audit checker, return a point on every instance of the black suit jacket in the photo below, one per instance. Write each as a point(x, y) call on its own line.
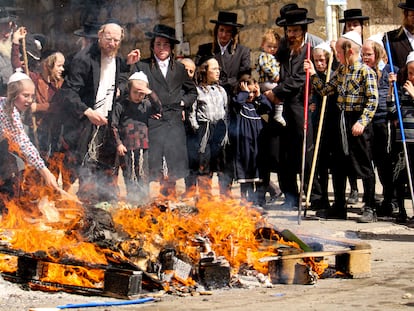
point(400, 47)
point(167, 136)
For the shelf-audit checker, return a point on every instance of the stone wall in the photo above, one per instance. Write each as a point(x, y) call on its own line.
point(59, 18)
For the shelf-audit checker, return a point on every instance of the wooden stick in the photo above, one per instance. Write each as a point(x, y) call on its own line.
point(26, 68)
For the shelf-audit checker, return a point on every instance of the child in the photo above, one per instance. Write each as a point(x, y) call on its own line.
point(373, 54)
point(356, 85)
point(130, 128)
point(321, 54)
point(208, 119)
point(269, 68)
point(406, 96)
point(250, 104)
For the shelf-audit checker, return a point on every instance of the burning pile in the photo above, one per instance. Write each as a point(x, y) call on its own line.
point(174, 244)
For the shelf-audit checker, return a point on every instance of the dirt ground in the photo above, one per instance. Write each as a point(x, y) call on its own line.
point(390, 286)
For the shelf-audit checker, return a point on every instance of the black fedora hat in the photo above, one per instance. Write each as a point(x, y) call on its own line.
point(353, 14)
point(226, 18)
point(8, 14)
point(89, 30)
point(296, 17)
point(164, 31)
point(283, 10)
point(407, 5)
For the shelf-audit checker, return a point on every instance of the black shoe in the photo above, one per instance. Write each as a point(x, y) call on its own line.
point(368, 216)
point(332, 213)
point(317, 205)
point(353, 197)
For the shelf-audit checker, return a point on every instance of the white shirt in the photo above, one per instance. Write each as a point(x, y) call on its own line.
point(163, 64)
point(223, 48)
point(410, 37)
point(106, 89)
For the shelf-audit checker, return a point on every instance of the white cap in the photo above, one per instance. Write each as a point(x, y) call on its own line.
point(410, 57)
point(324, 46)
point(18, 76)
point(377, 38)
point(139, 75)
point(354, 37)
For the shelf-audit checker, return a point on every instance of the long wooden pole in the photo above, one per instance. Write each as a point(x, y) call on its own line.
point(26, 69)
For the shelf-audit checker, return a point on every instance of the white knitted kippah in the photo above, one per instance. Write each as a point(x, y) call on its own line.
point(324, 46)
point(139, 75)
point(18, 76)
point(410, 57)
point(353, 36)
point(377, 38)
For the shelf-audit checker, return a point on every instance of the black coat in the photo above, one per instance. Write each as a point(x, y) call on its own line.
point(400, 47)
point(167, 136)
point(78, 93)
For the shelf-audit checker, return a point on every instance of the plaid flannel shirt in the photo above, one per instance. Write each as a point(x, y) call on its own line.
point(357, 89)
point(268, 67)
point(13, 131)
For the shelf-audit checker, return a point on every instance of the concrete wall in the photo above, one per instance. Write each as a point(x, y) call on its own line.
point(59, 18)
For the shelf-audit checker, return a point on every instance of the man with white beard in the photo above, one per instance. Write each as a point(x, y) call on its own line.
point(7, 22)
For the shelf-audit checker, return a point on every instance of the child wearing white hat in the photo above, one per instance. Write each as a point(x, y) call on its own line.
point(356, 85)
point(130, 128)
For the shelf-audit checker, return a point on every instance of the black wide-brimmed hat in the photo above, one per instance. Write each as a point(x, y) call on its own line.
point(407, 5)
point(164, 31)
point(283, 10)
point(353, 14)
point(8, 14)
point(226, 18)
point(35, 44)
point(89, 30)
point(296, 17)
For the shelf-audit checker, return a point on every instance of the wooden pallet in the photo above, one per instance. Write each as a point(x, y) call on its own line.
point(290, 268)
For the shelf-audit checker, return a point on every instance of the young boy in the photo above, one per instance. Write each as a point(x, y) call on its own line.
point(269, 68)
point(130, 128)
point(356, 85)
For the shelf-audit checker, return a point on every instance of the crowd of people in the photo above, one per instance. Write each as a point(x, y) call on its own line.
point(92, 114)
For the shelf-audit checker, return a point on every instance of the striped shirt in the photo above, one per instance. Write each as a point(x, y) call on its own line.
point(16, 136)
point(357, 89)
point(268, 67)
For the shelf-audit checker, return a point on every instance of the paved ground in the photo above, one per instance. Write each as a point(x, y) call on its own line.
point(390, 287)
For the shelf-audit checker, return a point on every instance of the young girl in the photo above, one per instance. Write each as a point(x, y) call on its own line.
point(268, 68)
point(373, 54)
point(130, 127)
point(208, 120)
point(249, 104)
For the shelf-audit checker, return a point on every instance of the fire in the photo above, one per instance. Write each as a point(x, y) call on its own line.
point(69, 275)
point(191, 228)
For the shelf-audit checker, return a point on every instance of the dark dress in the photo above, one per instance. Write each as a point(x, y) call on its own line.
point(249, 126)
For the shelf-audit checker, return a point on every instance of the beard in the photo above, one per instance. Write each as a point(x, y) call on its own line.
point(6, 47)
point(295, 44)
